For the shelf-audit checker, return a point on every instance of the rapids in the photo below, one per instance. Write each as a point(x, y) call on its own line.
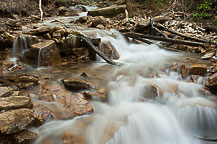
point(179, 113)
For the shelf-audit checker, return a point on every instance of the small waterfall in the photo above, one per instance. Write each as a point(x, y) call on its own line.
point(39, 57)
point(20, 44)
point(178, 114)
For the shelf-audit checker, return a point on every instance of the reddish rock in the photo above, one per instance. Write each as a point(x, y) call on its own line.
point(15, 102)
point(25, 137)
point(15, 120)
point(66, 105)
point(42, 113)
point(197, 69)
point(5, 91)
point(77, 84)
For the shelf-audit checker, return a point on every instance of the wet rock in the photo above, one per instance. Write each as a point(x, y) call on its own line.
point(42, 113)
point(3, 43)
point(65, 104)
point(10, 37)
point(5, 91)
point(27, 78)
point(40, 31)
point(76, 84)
point(69, 138)
point(211, 83)
point(71, 41)
point(6, 139)
point(15, 120)
point(193, 78)
point(80, 51)
point(81, 20)
point(108, 11)
point(109, 50)
point(183, 70)
point(214, 69)
point(44, 53)
point(208, 55)
point(95, 21)
point(25, 137)
point(15, 102)
point(197, 69)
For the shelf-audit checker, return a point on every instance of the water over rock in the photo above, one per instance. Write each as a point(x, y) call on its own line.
point(63, 103)
point(69, 138)
point(15, 102)
point(42, 113)
point(44, 53)
point(108, 11)
point(15, 120)
point(109, 50)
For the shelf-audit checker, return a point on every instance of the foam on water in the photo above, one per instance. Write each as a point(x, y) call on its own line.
point(179, 112)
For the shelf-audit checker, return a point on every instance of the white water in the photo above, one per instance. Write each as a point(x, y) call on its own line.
point(180, 112)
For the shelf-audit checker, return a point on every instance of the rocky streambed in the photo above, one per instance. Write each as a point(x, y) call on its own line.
point(55, 89)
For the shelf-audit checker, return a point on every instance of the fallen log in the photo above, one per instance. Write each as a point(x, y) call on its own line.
point(182, 35)
point(175, 41)
point(207, 139)
point(92, 47)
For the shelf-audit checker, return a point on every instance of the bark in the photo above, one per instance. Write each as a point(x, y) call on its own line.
point(41, 11)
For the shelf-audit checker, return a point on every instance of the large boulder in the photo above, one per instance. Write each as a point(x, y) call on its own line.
point(108, 11)
point(44, 53)
point(15, 120)
point(15, 102)
point(109, 50)
point(65, 104)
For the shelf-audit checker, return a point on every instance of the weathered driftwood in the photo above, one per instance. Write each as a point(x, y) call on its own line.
point(176, 41)
point(92, 47)
point(180, 34)
point(41, 11)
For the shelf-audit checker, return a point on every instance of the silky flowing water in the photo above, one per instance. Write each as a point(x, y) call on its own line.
point(181, 112)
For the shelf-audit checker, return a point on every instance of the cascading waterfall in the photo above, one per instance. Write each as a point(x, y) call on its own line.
point(180, 113)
